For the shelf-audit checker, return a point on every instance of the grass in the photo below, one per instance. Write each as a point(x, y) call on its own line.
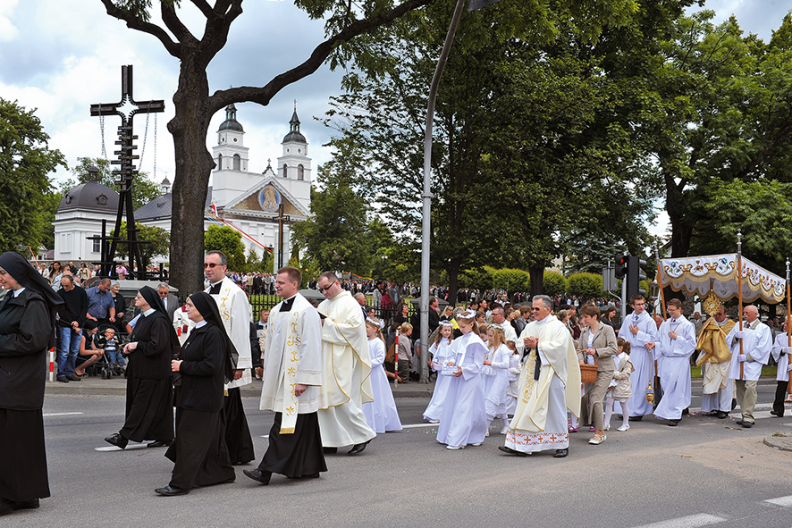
point(695, 372)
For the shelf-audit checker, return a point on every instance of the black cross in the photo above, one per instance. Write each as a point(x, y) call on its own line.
point(281, 218)
point(127, 170)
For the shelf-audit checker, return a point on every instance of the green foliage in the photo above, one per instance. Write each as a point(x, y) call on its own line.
point(26, 209)
point(585, 285)
point(158, 242)
point(510, 280)
point(143, 189)
point(229, 242)
point(554, 283)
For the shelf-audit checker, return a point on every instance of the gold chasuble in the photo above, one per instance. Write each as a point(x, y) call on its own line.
point(556, 345)
point(716, 359)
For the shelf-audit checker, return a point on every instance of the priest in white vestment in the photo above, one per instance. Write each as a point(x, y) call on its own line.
point(640, 328)
point(757, 341)
point(235, 312)
point(540, 420)
point(346, 383)
point(781, 350)
point(718, 389)
point(292, 378)
point(676, 342)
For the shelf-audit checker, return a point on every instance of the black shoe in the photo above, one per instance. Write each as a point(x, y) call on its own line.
point(511, 451)
point(561, 453)
point(747, 425)
point(6, 507)
point(329, 450)
point(117, 440)
point(779, 415)
point(722, 414)
point(62, 379)
point(636, 418)
point(258, 475)
point(26, 505)
point(314, 475)
point(358, 448)
point(673, 423)
point(72, 377)
point(170, 491)
point(734, 404)
point(158, 443)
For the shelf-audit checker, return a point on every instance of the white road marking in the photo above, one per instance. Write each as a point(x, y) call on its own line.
point(691, 521)
point(128, 448)
point(416, 426)
point(782, 501)
point(61, 414)
point(264, 436)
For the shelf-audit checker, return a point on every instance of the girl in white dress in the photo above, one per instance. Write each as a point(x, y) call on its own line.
point(496, 377)
point(514, 380)
point(381, 414)
point(439, 351)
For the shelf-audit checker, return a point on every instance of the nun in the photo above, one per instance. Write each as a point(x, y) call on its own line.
point(205, 362)
point(27, 323)
point(152, 346)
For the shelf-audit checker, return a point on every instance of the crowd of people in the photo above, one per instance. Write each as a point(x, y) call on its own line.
point(325, 374)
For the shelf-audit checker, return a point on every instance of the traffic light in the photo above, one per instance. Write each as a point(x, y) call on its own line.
point(621, 266)
point(635, 274)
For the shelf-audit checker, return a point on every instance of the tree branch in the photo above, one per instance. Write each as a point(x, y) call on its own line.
point(175, 24)
point(264, 95)
point(218, 25)
point(204, 8)
point(134, 22)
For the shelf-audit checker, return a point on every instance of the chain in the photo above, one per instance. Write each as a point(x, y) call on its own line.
point(143, 150)
point(101, 127)
point(155, 147)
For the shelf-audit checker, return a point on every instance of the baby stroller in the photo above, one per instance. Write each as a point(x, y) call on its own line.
point(104, 367)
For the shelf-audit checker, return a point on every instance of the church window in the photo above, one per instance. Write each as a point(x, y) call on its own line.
point(300, 172)
point(237, 162)
point(219, 162)
point(96, 246)
point(285, 171)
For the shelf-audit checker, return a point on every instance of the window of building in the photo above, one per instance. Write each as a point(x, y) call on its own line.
point(220, 162)
point(285, 171)
point(96, 246)
point(237, 162)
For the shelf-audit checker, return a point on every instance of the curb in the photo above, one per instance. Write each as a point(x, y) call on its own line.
point(782, 442)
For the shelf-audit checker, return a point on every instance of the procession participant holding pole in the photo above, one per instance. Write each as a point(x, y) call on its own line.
point(782, 348)
point(639, 329)
point(549, 385)
point(718, 388)
point(750, 351)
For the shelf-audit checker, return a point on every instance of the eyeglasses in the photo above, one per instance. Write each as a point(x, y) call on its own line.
point(326, 287)
point(535, 309)
point(210, 264)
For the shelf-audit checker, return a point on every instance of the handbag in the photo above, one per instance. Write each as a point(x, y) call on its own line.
point(588, 373)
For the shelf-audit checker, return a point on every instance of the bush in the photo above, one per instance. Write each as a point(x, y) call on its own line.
point(585, 285)
point(554, 283)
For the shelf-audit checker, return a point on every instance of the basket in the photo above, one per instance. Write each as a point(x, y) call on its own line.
point(588, 373)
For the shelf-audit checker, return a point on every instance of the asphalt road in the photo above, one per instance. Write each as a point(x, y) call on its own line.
point(705, 472)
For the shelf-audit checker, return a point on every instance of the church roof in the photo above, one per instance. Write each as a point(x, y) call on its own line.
point(162, 207)
point(90, 195)
point(294, 135)
point(165, 181)
point(231, 123)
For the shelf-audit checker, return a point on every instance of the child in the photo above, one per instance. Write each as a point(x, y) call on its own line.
point(381, 414)
point(623, 389)
point(514, 381)
point(484, 333)
point(439, 350)
point(496, 377)
point(464, 420)
point(405, 351)
point(111, 347)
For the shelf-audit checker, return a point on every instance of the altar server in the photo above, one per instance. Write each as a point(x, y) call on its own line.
point(640, 328)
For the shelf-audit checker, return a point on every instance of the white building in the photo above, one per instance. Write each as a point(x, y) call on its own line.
point(249, 200)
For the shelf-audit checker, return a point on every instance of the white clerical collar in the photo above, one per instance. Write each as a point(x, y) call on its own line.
point(17, 292)
point(722, 322)
point(545, 320)
point(200, 324)
point(149, 312)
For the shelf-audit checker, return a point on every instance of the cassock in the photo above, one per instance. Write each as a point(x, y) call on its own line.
point(464, 420)
point(674, 366)
point(346, 383)
point(718, 389)
point(381, 414)
point(642, 360)
point(235, 313)
point(149, 409)
point(440, 356)
point(293, 345)
point(540, 420)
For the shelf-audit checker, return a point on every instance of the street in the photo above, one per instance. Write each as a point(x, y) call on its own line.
point(704, 472)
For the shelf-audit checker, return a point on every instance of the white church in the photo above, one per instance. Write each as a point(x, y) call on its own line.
point(249, 201)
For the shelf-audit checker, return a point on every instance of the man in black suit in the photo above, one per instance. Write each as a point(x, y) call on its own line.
point(170, 301)
point(257, 284)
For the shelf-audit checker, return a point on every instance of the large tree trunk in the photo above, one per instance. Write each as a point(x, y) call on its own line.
point(194, 166)
point(537, 279)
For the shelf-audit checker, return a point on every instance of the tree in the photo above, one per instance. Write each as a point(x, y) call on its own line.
point(158, 242)
point(25, 161)
point(585, 285)
point(554, 283)
point(195, 106)
point(228, 241)
point(143, 189)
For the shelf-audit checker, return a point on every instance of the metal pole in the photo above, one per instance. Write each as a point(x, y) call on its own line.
point(624, 298)
point(427, 190)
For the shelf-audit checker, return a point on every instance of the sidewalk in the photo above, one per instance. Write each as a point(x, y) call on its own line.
point(96, 386)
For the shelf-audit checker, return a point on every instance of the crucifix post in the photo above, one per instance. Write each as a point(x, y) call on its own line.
point(281, 219)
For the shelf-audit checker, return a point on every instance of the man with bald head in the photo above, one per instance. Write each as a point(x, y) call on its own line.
point(757, 342)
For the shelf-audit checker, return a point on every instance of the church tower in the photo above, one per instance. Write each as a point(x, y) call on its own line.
point(230, 177)
point(294, 166)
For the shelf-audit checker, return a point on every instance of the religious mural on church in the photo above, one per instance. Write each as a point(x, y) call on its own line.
point(269, 199)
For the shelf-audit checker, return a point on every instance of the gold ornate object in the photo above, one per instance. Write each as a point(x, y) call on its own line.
point(711, 304)
point(649, 393)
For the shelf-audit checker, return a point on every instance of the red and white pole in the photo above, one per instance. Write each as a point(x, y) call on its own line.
point(52, 364)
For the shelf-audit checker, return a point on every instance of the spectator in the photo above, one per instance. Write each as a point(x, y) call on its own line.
point(72, 314)
point(120, 306)
point(101, 307)
point(88, 352)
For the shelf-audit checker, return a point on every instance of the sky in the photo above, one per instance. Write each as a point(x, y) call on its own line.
point(61, 56)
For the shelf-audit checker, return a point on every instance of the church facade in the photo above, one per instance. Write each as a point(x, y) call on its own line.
point(253, 203)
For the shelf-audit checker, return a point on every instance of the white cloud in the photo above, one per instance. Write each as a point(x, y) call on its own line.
point(8, 30)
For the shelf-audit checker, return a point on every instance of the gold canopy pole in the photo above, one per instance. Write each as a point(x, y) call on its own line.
point(739, 293)
point(789, 326)
point(660, 282)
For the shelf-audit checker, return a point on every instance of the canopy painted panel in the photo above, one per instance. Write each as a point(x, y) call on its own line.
point(697, 275)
